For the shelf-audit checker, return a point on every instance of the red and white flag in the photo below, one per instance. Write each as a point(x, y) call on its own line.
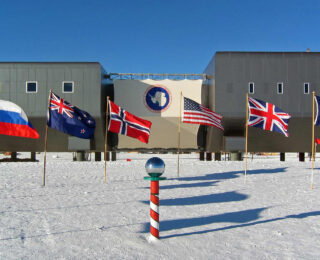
point(125, 123)
point(195, 113)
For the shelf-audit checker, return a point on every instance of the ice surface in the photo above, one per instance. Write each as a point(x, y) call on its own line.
point(208, 213)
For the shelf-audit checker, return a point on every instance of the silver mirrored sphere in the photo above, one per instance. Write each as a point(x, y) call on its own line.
point(155, 165)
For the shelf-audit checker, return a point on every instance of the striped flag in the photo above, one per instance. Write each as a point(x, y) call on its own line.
point(14, 121)
point(195, 113)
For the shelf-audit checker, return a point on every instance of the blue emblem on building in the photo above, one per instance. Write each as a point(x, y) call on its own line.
point(157, 98)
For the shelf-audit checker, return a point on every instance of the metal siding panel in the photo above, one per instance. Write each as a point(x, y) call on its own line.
point(32, 74)
point(55, 74)
point(5, 96)
point(68, 74)
point(77, 73)
point(13, 74)
point(22, 74)
point(41, 74)
point(4, 87)
point(92, 85)
point(4, 74)
point(42, 98)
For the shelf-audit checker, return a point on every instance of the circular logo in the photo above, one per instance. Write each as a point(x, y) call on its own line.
point(157, 98)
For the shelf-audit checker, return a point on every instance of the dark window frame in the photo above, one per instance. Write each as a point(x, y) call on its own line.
point(63, 89)
point(31, 82)
point(251, 84)
point(306, 84)
point(280, 85)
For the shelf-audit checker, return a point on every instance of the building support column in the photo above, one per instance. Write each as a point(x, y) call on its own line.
point(80, 156)
point(113, 156)
point(97, 156)
point(282, 157)
point(236, 156)
point(13, 155)
point(301, 157)
point(33, 156)
point(217, 156)
point(107, 156)
point(201, 154)
point(208, 156)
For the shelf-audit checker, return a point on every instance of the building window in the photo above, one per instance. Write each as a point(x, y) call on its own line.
point(251, 88)
point(31, 86)
point(67, 86)
point(306, 88)
point(280, 87)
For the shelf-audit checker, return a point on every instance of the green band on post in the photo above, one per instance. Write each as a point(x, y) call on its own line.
point(154, 178)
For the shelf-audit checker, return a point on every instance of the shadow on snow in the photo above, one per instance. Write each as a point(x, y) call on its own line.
point(231, 175)
point(244, 219)
point(186, 185)
point(203, 199)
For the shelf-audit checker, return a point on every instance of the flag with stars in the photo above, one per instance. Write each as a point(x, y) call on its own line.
point(69, 119)
point(194, 113)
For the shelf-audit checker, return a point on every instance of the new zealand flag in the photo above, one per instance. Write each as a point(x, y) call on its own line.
point(70, 119)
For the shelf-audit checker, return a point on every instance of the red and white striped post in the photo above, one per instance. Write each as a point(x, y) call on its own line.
point(155, 167)
point(154, 209)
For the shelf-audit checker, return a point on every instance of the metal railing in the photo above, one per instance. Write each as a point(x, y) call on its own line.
point(155, 76)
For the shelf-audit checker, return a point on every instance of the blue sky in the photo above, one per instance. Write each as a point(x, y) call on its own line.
point(150, 36)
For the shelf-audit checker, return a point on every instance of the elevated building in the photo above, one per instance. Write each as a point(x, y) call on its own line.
point(28, 84)
point(285, 79)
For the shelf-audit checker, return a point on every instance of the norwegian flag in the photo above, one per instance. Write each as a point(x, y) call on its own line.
point(125, 123)
point(69, 119)
point(267, 116)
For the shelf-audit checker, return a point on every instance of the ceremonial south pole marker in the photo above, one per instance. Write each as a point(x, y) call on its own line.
point(154, 167)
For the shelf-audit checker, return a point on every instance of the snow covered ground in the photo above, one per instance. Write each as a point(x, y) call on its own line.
point(207, 213)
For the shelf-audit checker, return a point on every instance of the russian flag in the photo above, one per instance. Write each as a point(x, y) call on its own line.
point(13, 121)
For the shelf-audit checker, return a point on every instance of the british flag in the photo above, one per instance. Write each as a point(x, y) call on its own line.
point(267, 116)
point(125, 123)
point(62, 106)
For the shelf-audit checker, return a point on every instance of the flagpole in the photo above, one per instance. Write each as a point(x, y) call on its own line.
point(245, 169)
point(45, 145)
point(106, 142)
point(312, 149)
point(179, 133)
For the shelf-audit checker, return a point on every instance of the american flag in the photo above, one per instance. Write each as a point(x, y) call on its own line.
point(195, 113)
point(125, 123)
point(267, 116)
